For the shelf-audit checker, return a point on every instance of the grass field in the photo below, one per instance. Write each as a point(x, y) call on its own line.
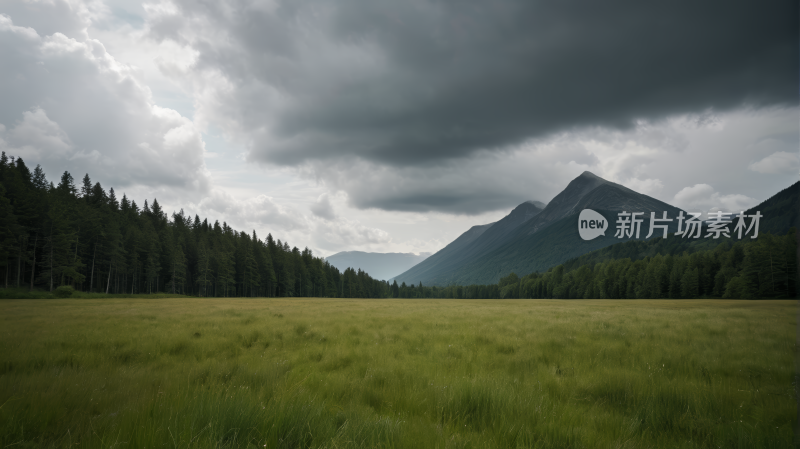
point(396, 373)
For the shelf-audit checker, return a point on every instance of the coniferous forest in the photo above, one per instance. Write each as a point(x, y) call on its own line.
point(765, 268)
point(78, 234)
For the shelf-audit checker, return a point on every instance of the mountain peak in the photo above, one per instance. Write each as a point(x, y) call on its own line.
point(590, 175)
point(523, 212)
point(528, 207)
point(586, 190)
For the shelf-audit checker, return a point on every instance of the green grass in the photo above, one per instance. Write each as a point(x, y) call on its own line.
point(396, 373)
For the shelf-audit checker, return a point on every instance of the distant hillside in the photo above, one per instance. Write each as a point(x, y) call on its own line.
point(780, 213)
point(537, 241)
point(441, 257)
point(551, 246)
point(476, 242)
point(559, 241)
point(378, 265)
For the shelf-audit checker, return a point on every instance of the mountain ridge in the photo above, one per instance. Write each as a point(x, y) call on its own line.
point(472, 244)
point(521, 251)
point(379, 265)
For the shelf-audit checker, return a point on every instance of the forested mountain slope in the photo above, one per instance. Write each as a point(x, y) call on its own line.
point(53, 235)
point(445, 254)
point(672, 267)
point(551, 236)
point(558, 243)
point(451, 258)
point(779, 213)
point(763, 268)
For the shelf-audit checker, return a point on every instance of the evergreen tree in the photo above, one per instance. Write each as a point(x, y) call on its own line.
point(39, 180)
point(86, 187)
point(66, 187)
point(204, 276)
point(8, 230)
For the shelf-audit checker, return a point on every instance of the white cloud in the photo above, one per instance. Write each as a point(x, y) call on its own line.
point(649, 186)
point(260, 212)
point(69, 105)
point(47, 17)
point(343, 234)
point(703, 198)
point(780, 162)
point(325, 234)
point(323, 208)
point(38, 137)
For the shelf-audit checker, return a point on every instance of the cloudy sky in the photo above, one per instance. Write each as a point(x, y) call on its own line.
point(395, 126)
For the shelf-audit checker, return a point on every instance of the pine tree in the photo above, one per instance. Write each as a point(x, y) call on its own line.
point(177, 271)
point(86, 188)
point(112, 200)
point(204, 274)
point(152, 259)
point(8, 229)
point(67, 185)
point(59, 265)
point(113, 252)
point(39, 180)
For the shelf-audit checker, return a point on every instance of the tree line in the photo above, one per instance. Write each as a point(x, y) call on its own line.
point(756, 269)
point(88, 238)
point(85, 237)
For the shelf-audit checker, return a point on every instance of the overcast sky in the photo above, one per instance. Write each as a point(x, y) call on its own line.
point(394, 126)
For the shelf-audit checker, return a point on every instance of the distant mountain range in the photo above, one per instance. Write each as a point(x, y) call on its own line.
point(382, 266)
point(779, 213)
point(535, 238)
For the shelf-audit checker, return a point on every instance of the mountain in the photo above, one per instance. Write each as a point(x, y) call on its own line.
point(441, 257)
point(779, 213)
point(377, 265)
point(550, 246)
point(476, 242)
point(541, 240)
point(589, 191)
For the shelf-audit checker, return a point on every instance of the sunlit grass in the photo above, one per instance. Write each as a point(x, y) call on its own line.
point(396, 373)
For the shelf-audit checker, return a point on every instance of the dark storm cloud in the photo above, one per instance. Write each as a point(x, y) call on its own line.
point(453, 202)
point(452, 77)
point(424, 85)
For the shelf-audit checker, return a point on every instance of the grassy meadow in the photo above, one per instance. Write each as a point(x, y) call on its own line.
point(286, 373)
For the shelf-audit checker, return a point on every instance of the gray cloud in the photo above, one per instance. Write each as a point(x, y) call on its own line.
point(418, 82)
point(323, 208)
point(70, 18)
point(469, 186)
point(256, 212)
point(703, 198)
point(780, 162)
point(731, 153)
point(418, 106)
point(69, 105)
